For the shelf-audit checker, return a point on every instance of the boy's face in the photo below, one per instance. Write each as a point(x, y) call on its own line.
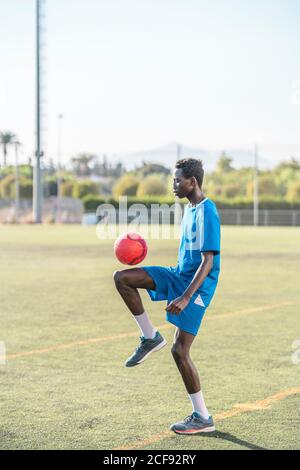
point(182, 186)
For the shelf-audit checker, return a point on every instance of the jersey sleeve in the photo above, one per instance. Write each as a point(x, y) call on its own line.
point(211, 231)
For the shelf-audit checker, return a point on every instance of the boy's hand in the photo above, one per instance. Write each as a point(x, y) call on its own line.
point(177, 305)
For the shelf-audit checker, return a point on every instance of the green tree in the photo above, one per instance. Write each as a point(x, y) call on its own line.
point(151, 168)
point(26, 170)
point(81, 164)
point(127, 185)
point(26, 188)
point(285, 174)
point(266, 186)
point(224, 164)
point(152, 185)
point(7, 187)
point(212, 185)
point(231, 190)
point(6, 139)
point(293, 164)
point(50, 186)
point(85, 187)
point(67, 188)
point(293, 193)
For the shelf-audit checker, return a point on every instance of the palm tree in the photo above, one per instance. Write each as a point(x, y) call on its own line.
point(81, 164)
point(6, 138)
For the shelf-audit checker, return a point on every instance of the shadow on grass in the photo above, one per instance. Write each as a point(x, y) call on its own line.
point(235, 440)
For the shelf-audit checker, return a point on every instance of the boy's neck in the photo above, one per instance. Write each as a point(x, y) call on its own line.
point(196, 197)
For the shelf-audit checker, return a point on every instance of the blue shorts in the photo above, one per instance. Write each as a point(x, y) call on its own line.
point(169, 286)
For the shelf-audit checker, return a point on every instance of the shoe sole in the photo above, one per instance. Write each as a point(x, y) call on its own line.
point(195, 431)
point(157, 348)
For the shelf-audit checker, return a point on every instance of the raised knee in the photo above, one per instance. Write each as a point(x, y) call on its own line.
point(119, 278)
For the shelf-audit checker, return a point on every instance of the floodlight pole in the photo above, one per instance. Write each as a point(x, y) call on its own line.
point(17, 183)
point(59, 138)
point(255, 189)
point(37, 184)
point(177, 212)
point(178, 153)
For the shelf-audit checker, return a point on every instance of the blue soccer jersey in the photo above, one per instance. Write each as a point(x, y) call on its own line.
point(200, 232)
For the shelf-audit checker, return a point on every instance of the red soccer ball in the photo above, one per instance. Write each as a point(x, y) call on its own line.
point(130, 248)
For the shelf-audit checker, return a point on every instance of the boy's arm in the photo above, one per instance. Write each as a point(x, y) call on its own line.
point(179, 304)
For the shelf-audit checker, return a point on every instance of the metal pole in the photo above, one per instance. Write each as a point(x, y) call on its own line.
point(255, 188)
point(178, 152)
point(17, 184)
point(59, 134)
point(37, 189)
point(177, 212)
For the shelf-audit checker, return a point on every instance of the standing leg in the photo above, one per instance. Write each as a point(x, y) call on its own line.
point(188, 371)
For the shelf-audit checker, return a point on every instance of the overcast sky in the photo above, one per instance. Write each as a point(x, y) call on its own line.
point(130, 75)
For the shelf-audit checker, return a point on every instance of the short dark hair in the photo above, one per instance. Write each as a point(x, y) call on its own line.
point(191, 167)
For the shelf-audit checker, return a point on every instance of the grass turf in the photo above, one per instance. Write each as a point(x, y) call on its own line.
point(56, 288)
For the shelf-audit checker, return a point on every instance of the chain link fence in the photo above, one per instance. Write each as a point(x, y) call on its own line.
point(68, 210)
point(267, 217)
point(71, 210)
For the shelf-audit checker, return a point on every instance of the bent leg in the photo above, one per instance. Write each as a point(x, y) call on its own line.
point(127, 282)
point(181, 354)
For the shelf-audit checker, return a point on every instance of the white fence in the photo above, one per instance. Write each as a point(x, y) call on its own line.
point(267, 217)
point(71, 211)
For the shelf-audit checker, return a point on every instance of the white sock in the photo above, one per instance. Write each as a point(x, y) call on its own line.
point(145, 325)
point(199, 404)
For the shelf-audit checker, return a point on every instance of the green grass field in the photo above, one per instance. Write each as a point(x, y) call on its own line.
point(67, 335)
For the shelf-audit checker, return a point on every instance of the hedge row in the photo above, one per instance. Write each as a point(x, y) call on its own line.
point(90, 203)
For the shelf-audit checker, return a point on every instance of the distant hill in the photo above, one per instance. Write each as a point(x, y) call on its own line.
point(168, 154)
